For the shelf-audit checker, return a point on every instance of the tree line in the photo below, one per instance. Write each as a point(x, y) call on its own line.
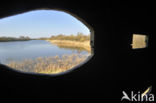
point(21, 38)
point(79, 37)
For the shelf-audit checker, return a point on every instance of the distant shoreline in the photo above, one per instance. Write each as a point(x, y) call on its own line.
point(12, 40)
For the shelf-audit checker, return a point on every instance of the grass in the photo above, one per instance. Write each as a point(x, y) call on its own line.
point(48, 65)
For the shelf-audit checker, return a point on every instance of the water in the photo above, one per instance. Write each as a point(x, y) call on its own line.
point(20, 50)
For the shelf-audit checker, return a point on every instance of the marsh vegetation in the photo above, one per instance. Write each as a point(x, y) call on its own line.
point(48, 65)
point(72, 41)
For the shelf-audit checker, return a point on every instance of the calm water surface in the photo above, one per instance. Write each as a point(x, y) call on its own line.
point(19, 50)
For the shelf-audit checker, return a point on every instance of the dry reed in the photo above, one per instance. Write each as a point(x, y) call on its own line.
point(48, 65)
point(68, 43)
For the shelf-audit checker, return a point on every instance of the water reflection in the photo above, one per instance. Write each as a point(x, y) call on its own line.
point(17, 51)
point(77, 49)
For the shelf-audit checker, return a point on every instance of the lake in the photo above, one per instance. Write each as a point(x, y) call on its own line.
point(20, 50)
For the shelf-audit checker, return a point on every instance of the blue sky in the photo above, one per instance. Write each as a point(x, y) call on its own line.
point(41, 23)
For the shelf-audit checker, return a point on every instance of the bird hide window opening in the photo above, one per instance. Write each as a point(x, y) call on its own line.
point(45, 42)
point(139, 41)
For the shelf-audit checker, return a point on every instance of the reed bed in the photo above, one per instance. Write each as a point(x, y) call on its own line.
point(68, 43)
point(48, 65)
